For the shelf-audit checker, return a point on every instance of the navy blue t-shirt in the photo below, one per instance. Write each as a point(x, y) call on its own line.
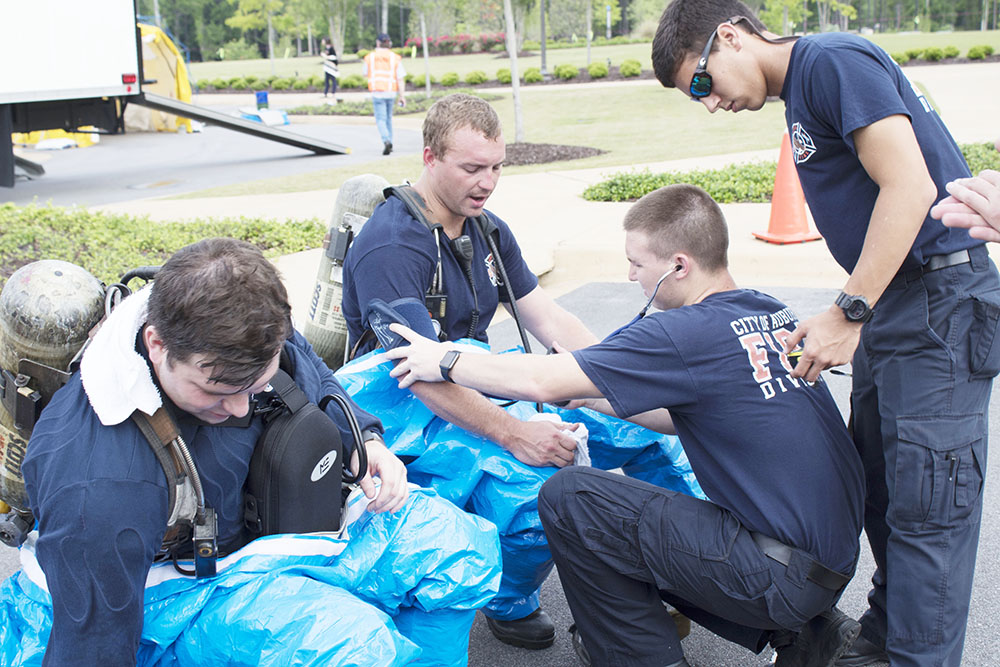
point(770, 448)
point(835, 84)
point(395, 257)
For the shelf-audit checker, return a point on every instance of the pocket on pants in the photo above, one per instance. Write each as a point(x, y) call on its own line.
point(938, 469)
point(984, 355)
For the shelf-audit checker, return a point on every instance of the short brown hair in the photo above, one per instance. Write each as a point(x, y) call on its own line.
point(682, 218)
point(685, 27)
point(454, 112)
point(222, 299)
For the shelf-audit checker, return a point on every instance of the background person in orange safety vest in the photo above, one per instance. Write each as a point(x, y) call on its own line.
point(385, 74)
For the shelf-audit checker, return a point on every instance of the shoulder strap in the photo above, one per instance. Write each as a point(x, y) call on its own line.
point(290, 394)
point(159, 430)
point(413, 201)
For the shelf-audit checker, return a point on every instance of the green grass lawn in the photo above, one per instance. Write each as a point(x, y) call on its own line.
point(659, 125)
point(490, 63)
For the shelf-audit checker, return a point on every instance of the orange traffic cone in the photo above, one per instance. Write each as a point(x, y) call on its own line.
point(788, 222)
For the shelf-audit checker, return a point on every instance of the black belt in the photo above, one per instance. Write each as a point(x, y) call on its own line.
point(818, 573)
point(935, 263)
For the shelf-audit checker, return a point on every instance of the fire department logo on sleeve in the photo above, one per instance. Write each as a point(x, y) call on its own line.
point(491, 270)
point(802, 144)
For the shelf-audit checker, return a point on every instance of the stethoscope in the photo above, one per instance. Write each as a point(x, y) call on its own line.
point(645, 309)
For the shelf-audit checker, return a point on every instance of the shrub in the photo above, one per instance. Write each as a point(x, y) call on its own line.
point(565, 71)
point(951, 52)
point(979, 52)
point(419, 80)
point(252, 81)
point(533, 75)
point(109, 244)
point(353, 81)
point(476, 77)
point(219, 84)
point(503, 75)
point(300, 84)
point(597, 70)
point(631, 68)
point(449, 79)
point(281, 84)
point(933, 54)
point(239, 83)
point(901, 58)
point(317, 80)
point(914, 54)
point(363, 52)
point(735, 183)
point(981, 156)
point(408, 78)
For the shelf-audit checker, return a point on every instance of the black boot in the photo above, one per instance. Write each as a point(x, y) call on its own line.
point(386, 147)
point(861, 653)
point(820, 642)
point(534, 631)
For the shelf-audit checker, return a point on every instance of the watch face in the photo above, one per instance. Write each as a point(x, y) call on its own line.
point(856, 310)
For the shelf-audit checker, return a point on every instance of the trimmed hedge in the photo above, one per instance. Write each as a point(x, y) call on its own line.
point(630, 68)
point(477, 76)
point(597, 70)
point(108, 244)
point(503, 75)
point(449, 79)
point(738, 183)
point(566, 71)
point(533, 75)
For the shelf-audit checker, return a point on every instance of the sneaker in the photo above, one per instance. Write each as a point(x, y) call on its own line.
point(534, 631)
point(862, 652)
point(387, 148)
point(821, 641)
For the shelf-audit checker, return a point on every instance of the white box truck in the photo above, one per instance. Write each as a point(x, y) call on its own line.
point(65, 64)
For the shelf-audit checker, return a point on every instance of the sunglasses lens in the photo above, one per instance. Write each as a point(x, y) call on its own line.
point(701, 85)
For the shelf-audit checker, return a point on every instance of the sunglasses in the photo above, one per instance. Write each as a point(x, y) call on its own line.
point(701, 81)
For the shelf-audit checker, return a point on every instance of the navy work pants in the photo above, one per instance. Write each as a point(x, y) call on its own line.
point(623, 546)
point(922, 379)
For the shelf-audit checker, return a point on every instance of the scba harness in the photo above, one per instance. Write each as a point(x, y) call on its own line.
point(298, 479)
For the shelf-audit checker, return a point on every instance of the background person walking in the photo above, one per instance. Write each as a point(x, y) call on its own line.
point(385, 74)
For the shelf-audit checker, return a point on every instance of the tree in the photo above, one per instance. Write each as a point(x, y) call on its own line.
point(254, 15)
point(782, 16)
point(515, 82)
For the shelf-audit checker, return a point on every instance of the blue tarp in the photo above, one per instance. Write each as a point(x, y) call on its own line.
point(482, 477)
point(401, 590)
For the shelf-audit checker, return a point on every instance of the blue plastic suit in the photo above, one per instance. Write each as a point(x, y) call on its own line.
point(483, 478)
point(397, 592)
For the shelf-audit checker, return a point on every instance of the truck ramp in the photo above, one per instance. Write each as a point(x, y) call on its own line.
point(213, 117)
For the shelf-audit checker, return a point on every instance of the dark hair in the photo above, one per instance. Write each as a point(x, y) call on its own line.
point(220, 298)
point(685, 27)
point(452, 113)
point(682, 218)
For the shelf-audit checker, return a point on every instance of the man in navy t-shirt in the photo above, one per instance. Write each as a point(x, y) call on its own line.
point(398, 260)
point(918, 312)
point(770, 554)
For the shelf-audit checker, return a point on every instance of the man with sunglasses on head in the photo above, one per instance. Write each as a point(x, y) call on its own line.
point(918, 311)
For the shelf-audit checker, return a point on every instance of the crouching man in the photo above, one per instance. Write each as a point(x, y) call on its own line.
point(201, 342)
point(763, 562)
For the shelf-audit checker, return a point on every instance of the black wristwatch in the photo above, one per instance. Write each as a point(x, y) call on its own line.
point(856, 308)
point(447, 363)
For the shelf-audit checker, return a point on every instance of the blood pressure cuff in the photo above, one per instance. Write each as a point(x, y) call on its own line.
point(409, 312)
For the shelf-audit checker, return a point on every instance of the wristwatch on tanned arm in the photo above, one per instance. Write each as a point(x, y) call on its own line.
point(855, 307)
point(447, 363)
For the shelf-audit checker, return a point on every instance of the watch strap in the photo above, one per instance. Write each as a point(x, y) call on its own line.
point(447, 363)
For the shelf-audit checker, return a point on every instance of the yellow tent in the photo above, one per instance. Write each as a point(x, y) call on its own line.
point(164, 64)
